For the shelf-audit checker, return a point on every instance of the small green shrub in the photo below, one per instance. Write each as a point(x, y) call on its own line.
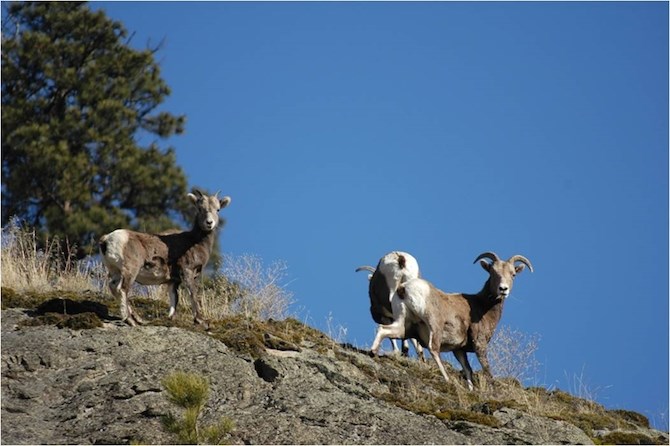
point(186, 390)
point(189, 391)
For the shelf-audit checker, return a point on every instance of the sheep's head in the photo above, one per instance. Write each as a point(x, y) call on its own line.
point(502, 272)
point(207, 209)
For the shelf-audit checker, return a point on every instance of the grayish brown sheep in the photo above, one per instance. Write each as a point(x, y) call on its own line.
point(174, 258)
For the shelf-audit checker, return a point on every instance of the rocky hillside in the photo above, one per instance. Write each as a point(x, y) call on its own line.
point(72, 373)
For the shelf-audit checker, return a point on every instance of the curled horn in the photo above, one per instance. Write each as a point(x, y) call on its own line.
point(522, 259)
point(216, 195)
point(487, 255)
point(365, 268)
point(197, 193)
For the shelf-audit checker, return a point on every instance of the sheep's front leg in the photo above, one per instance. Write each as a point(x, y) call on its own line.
point(462, 358)
point(188, 277)
point(481, 352)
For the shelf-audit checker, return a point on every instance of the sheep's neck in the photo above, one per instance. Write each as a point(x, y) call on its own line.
point(200, 236)
point(492, 306)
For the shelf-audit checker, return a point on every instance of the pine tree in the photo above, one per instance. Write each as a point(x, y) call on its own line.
point(81, 126)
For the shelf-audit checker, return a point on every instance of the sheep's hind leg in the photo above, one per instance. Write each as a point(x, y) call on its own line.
point(396, 330)
point(174, 298)
point(419, 350)
point(405, 348)
point(115, 286)
point(127, 313)
point(434, 349)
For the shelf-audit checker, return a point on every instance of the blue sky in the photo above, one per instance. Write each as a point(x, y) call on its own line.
point(344, 131)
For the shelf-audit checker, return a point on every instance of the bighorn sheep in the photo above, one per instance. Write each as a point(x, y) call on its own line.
point(172, 257)
point(393, 269)
point(458, 322)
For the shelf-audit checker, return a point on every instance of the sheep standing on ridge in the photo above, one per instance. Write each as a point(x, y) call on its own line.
point(458, 322)
point(174, 258)
point(393, 269)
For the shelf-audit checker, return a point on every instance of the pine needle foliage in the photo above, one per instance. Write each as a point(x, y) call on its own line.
point(80, 127)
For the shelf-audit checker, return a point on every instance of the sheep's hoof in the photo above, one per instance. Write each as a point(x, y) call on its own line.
point(203, 323)
point(130, 321)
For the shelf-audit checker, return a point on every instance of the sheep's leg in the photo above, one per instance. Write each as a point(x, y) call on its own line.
point(419, 350)
point(434, 348)
point(405, 347)
point(173, 289)
point(394, 344)
point(115, 286)
point(436, 355)
point(481, 352)
point(189, 283)
point(462, 358)
point(395, 330)
point(127, 313)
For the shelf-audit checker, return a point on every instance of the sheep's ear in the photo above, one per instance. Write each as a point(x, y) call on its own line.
point(225, 201)
point(193, 198)
point(519, 268)
point(486, 265)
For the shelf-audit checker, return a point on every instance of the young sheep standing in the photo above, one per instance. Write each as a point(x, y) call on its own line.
point(458, 322)
point(393, 269)
point(171, 257)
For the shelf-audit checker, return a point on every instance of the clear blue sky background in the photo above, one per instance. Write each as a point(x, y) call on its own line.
point(346, 130)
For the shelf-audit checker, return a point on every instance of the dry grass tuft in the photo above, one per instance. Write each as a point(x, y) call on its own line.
point(245, 286)
point(27, 267)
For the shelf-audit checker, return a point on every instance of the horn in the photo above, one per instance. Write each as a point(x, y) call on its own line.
point(365, 268)
point(216, 195)
point(197, 193)
point(488, 255)
point(522, 259)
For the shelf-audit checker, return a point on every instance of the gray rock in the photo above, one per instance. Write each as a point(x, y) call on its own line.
point(103, 385)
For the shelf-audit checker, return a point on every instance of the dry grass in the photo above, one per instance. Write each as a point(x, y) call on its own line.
point(255, 290)
point(245, 286)
point(248, 304)
point(27, 267)
point(512, 354)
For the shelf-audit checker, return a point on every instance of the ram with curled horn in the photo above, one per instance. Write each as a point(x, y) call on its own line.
point(459, 322)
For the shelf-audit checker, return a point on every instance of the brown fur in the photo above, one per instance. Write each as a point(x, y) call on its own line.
point(463, 323)
point(171, 257)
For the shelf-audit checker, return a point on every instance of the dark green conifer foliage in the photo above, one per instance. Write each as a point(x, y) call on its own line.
point(81, 127)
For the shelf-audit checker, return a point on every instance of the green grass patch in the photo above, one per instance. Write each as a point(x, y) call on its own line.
point(189, 391)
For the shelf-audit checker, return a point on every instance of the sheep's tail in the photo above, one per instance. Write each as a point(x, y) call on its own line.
point(103, 244)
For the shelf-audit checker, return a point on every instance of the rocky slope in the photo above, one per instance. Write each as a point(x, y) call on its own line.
point(279, 382)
